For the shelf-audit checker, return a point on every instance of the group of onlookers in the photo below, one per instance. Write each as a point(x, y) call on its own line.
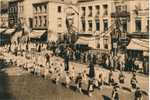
point(58, 71)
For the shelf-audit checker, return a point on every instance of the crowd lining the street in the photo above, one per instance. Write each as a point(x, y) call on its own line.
point(46, 65)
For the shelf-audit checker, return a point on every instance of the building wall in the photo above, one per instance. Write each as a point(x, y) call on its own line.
point(28, 13)
point(101, 16)
point(143, 13)
point(13, 13)
point(4, 20)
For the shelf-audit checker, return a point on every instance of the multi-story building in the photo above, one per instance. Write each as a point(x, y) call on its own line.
point(20, 13)
point(12, 13)
point(51, 15)
point(4, 14)
point(98, 16)
point(95, 19)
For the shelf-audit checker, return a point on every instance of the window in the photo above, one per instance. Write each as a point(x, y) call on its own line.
point(90, 11)
point(45, 7)
point(59, 21)
point(124, 25)
point(105, 7)
point(83, 25)
point(147, 25)
point(90, 25)
point(40, 8)
point(83, 11)
point(138, 25)
point(97, 10)
point(118, 8)
point(98, 45)
point(124, 8)
point(36, 22)
point(40, 19)
point(35, 9)
point(97, 25)
point(45, 21)
point(105, 43)
point(59, 9)
point(105, 21)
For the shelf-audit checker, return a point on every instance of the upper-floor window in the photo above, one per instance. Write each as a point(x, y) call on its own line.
point(105, 22)
point(124, 8)
point(97, 22)
point(138, 24)
point(90, 25)
point(40, 7)
point(124, 25)
point(40, 20)
point(83, 11)
point(90, 11)
point(105, 7)
point(147, 25)
point(118, 8)
point(97, 10)
point(36, 21)
point(83, 25)
point(45, 21)
point(59, 21)
point(45, 8)
point(59, 9)
point(105, 41)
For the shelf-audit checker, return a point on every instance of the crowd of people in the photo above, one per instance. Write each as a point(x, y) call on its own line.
point(48, 66)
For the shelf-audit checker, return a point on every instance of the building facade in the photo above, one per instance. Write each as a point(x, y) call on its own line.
point(51, 15)
point(99, 16)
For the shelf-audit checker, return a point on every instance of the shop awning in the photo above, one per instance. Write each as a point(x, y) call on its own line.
point(9, 32)
point(89, 41)
point(139, 44)
point(82, 41)
point(37, 33)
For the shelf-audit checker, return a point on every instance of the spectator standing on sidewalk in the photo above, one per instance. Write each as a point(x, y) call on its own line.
point(66, 60)
point(91, 70)
point(100, 81)
point(90, 87)
point(110, 78)
point(121, 77)
point(115, 94)
point(133, 81)
point(138, 94)
point(67, 80)
point(79, 82)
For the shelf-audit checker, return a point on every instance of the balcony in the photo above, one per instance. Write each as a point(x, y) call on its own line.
point(120, 14)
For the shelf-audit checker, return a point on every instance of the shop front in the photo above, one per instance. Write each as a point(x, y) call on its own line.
point(138, 50)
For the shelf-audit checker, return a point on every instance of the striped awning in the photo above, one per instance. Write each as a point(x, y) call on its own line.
point(9, 32)
point(139, 44)
point(37, 33)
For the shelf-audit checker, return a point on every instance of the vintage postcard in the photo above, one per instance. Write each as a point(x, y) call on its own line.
point(74, 49)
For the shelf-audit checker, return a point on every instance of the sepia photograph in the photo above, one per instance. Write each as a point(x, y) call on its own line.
point(74, 50)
